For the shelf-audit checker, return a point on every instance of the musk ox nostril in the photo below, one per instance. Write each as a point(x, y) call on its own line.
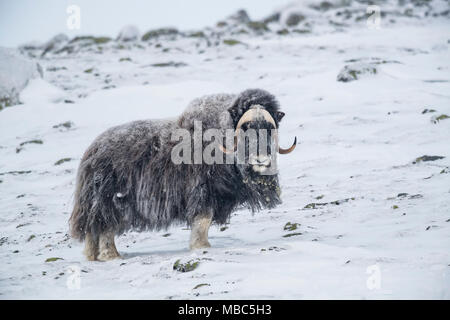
point(259, 160)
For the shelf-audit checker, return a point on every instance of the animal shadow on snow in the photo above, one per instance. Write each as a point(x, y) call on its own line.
point(217, 242)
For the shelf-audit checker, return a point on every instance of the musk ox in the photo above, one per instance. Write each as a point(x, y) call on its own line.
point(127, 179)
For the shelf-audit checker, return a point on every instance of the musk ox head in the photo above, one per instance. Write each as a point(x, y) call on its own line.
point(256, 116)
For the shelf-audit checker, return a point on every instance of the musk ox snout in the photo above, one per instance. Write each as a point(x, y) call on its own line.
point(260, 163)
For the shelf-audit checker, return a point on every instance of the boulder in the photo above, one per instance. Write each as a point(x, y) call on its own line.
point(15, 72)
point(355, 71)
point(128, 33)
point(239, 17)
point(292, 19)
point(274, 17)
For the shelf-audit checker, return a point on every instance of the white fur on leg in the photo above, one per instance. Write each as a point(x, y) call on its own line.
point(107, 247)
point(199, 232)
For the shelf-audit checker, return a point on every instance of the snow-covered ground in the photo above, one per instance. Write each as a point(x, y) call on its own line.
point(387, 238)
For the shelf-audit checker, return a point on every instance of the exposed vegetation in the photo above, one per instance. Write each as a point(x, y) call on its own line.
point(159, 32)
point(53, 259)
point(231, 42)
point(185, 267)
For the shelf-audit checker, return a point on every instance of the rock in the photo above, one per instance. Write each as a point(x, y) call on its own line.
point(323, 6)
point(55, 69)
point(221, 24)
point(64, 125)
point(274, 248)
point(301, 31)
point(292, 234)
point(169, 64)
point(240, 17)
point(316, 205)
point(128, 33)
point(258, 27)
point(15, 73)
point(355, 71)
point(275, 17)
point(426, 158)
point(283, 32)
point(61, 161)
point(293, 19)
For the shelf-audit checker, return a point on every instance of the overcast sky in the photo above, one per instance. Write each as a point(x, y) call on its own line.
point(28, 20)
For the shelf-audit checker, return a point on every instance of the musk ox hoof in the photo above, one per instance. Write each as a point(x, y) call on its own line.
point(107, 248)
point(199, 245)
point(90, 256)
point(108, 255)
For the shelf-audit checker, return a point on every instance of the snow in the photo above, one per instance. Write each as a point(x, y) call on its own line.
point(128, 33)
point(358, 141)
point(40, 91)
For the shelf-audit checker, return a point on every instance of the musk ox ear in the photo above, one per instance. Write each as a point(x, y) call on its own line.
point(234, 113)
point(279, 115)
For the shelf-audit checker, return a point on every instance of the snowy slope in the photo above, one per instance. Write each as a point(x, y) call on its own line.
point(359, 142)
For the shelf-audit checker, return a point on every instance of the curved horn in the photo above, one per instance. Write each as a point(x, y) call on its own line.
point(286, 151)
point(254, 112)
point(249, 115)
point(225, 150)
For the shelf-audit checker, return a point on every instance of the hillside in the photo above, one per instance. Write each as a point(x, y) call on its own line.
point(365, 194)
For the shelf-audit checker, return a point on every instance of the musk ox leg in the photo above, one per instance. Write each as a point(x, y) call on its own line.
point(107, 247)
point(199, 232)
point(90, 247)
